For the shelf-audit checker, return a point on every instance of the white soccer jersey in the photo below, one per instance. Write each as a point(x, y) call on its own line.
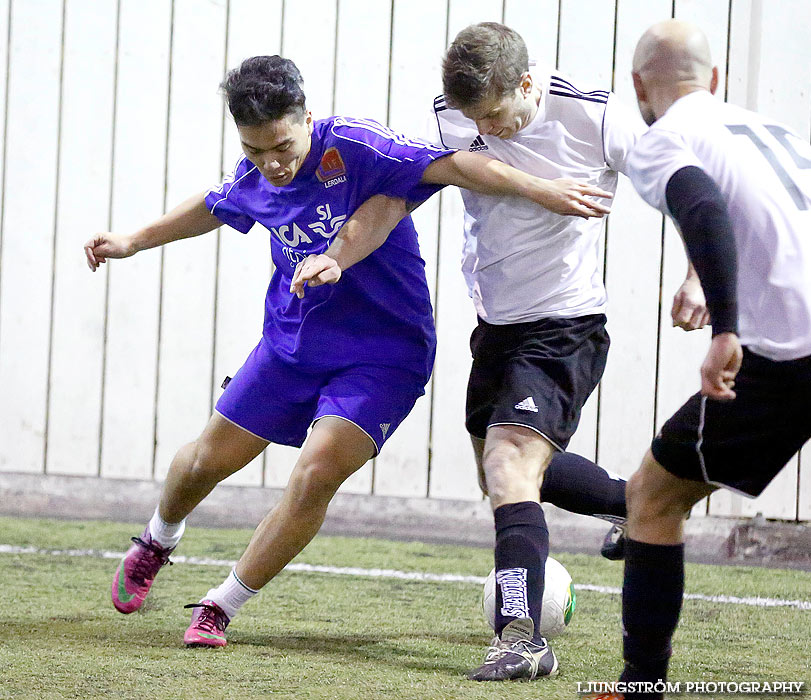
point(764, 173)
point(522, 262)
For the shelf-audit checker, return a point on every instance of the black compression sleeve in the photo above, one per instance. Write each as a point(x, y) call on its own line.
point(701, 213)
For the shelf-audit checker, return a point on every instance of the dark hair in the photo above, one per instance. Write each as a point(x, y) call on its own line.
point(263, 89)
point(484, 61)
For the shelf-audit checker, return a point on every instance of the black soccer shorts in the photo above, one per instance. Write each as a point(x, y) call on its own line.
point(741, 444)
point(536, 374)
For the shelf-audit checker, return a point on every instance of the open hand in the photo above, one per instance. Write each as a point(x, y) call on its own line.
point(720, 367)
point(571, 198)
point(107, 245)
point(314, 271)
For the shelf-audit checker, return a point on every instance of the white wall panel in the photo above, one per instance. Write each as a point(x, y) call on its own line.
point(402, 467)
point(4, 18)
point(462, 13)
point(804, 485)
point(364, 35)
point(537, 22)
point(189, 266)
point(28, 230)
point(586, 52)
point(206, 295)
point(634, 233)
point(308, 39)
point(453, 469)
point(243, 272)
point(128, 423)
point(83, 209)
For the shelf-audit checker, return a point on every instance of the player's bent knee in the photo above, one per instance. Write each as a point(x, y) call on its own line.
point(315, 481)
point(648, 498)
point(510, 486)
point(205, 462)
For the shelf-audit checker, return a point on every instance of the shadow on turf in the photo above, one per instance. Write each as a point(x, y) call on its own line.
point(405, 651)
point(366, 649)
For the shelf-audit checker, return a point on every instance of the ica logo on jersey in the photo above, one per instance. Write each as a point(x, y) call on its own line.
point(294, 236)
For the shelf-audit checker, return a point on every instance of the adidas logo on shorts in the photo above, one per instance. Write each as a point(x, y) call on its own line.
point(528, 404)
point(478, 144)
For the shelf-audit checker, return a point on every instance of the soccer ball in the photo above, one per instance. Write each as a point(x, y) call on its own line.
point(558, 599)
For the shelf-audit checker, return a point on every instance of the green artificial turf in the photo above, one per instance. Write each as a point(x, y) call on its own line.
point(311, 635)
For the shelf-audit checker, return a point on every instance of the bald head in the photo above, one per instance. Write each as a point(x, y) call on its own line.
point(672, 59)
point(674, 52)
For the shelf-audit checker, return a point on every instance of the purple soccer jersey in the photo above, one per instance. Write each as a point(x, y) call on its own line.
point(380, 311)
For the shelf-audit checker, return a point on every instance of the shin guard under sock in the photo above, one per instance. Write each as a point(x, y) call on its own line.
point(522, 545)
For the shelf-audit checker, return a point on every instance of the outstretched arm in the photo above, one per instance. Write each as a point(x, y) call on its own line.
point(188, 219)
point(481, 174)
point(363, 233)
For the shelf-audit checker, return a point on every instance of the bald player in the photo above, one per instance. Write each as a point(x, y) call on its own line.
point(738, 185)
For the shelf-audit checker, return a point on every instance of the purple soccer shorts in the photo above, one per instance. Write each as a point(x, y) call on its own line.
point(278, 402)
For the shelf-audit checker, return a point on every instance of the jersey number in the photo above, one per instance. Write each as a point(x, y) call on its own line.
point(781, 135)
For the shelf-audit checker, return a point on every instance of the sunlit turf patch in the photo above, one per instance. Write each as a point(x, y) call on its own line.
point(311, 635)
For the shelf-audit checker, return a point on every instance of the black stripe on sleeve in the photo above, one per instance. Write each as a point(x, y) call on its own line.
point(439, 106)
point(601, 100)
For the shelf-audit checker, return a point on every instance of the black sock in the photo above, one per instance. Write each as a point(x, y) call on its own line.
point(651, 602)
point(578, 485)
point(522, 545)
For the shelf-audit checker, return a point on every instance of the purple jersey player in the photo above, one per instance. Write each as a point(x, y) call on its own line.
point(346, 360)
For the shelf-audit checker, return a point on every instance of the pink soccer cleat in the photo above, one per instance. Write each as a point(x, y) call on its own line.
point(208, 623)
point(136, 572)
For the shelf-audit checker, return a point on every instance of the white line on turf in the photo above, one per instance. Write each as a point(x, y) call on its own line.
point(753, 601)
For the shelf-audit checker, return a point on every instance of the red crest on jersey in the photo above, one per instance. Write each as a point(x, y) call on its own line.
point(331, 165)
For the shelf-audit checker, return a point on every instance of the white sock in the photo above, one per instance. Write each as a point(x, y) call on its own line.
point(165, 534)
point(231, 594)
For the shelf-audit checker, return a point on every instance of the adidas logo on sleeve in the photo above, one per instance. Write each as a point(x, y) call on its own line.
point(478, 144)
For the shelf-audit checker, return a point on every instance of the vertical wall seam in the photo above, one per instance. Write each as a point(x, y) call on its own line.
point(105, 323)
point(391, 65)
point(218, 234)
point(659, 330)
point(388, 123)
point(155, 416)
point(5, 143)
point(607, 238)
point(557, 45)
point(729, 50)
point(49, 369)
point(335, 54)
point(432, 401)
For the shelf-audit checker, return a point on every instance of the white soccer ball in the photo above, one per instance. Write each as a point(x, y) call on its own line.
point(558, 599)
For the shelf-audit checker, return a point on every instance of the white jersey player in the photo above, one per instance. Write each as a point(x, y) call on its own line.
point(513, 273)
point(738, 185)
point(540, 345)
